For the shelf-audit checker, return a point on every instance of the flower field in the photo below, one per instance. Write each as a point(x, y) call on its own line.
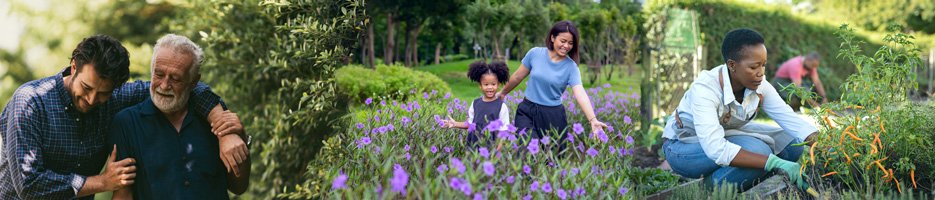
point(399, 150)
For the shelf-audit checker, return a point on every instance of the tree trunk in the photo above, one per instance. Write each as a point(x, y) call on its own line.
point(438, 52)
point(370, 52)
point(389, 45)
point(412, 39)
point(495, 36)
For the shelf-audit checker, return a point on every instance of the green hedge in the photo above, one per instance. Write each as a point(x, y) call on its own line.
point(393, 81)
point(786, 35)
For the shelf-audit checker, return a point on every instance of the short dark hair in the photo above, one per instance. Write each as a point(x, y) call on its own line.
point(499, 69)
point(109, 57)
point(565, 27)
point(736, 40)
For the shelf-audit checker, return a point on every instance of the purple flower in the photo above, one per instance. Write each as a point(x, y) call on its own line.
point(405, 121)
point(447, 149)
point(561, 194)
point(574, 171)
point(533, 146)
point(471, 126)
point(577, 128)
point(483, 152)
point(580, 191)
point(408, 156)
point(434, 149)
point(527, 197)
point(406, 148)
point(547, 188)
point(478, 196)
point(455, 182)
point(493, 125)
point(339, 182)
point(456, 163)
point(425, 95)
point(511, 128)
point(360, 126)
point(545, 140)
point(606, 85)
point(612, 149)
point(592, 152)
point(534, 186)
point(601, 136)
point(527, 169)
point(610, 129)
point(627, 120)
point(629, 139)
point(447, 95)
point(438, 119)
point(510, 179)
point(400, 179)
point(368, 101)
point(364, 141)
point(442, 168)
point(488, 168)
point(623, 190)
point(376, 118)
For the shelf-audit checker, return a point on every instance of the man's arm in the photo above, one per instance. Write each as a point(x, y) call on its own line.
point(820, 87)
point(238, 179)
point(123, 194)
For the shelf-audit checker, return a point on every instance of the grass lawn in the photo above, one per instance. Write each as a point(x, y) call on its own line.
point(455, 74)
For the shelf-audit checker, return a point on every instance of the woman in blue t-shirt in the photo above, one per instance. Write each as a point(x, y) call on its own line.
point(550, 70)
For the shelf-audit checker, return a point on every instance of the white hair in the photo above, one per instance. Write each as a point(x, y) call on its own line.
point(179, 44)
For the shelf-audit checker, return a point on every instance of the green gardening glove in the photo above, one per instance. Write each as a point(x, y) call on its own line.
point(790, 168)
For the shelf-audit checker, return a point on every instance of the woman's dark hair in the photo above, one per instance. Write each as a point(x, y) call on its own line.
point(109, 57)
point(564, 27)
point(499, 69)
point(736, 40)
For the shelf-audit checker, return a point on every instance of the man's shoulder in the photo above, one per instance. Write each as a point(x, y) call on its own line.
point(35, 89)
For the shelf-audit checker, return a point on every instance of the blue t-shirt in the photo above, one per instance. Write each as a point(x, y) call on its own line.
point(548, 79)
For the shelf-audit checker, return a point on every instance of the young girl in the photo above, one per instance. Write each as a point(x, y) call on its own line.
point(484, 110)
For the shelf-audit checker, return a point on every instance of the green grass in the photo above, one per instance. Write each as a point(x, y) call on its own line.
point(455, 74)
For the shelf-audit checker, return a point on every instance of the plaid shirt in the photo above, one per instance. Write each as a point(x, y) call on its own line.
point(49, 148)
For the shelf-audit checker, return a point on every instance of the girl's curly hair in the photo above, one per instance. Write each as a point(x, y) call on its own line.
point(499, 69)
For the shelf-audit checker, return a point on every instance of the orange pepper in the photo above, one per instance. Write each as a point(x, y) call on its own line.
point(828, 122)
point(829, 174)
point(900, 188)
point(876, 110)
point(881, 127)
point(811, 152)
point(912, 174)
point(853, 136)
point(873, 149)
point(846, 156)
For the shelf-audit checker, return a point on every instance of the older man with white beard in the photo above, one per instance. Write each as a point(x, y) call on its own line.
point(177, 155)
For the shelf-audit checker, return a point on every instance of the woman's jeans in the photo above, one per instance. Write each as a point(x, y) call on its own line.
point(689, 160)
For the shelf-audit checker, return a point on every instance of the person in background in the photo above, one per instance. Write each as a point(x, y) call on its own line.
point(793, 71)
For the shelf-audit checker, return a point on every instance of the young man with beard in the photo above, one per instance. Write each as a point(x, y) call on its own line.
point(177, 156)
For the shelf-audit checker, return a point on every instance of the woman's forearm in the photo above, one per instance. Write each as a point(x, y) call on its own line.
point(515, 79)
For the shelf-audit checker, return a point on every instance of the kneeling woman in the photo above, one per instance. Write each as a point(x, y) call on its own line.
point(710, 135)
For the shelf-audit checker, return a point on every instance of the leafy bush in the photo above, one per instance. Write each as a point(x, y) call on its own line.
point(786, 35)
point(274, 62)
point(392, 149)
point(392, 82)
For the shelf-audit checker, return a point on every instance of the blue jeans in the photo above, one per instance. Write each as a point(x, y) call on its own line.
point(689, 160)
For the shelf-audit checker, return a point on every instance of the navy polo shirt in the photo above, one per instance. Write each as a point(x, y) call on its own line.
point(170, 164)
